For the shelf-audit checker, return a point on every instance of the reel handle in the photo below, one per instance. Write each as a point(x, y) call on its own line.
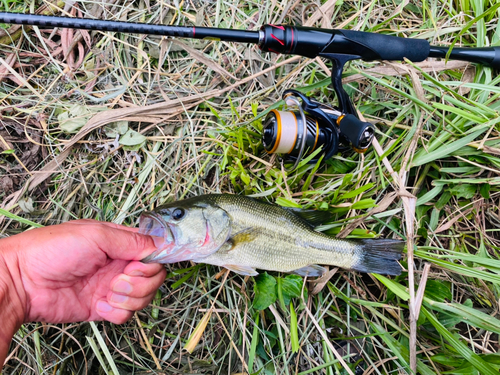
point(356, 132)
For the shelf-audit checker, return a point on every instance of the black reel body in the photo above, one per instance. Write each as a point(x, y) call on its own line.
point(298, 133)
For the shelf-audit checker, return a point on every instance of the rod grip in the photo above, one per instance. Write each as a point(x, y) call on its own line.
point(386, 47)
point(312, 42)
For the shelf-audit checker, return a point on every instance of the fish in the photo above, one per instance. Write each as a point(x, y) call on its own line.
point(244, 235)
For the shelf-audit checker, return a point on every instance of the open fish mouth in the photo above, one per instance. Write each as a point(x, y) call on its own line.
point(153, 225)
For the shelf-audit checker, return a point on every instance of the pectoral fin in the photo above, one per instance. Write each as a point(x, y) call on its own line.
point(241, 237)
point(245, 235)
point(312, 270)
point(242, 270)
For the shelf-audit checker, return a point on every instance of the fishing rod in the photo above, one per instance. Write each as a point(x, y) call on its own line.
point(295, 133)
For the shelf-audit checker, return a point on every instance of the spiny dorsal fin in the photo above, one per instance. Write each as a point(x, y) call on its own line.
point(312, 217)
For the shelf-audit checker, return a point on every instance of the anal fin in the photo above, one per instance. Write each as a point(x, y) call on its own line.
point(242, 270)
point(312, 270)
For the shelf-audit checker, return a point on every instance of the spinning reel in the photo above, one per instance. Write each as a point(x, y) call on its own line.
point(298, 133)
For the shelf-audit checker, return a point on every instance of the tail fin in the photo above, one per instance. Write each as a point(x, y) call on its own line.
point(380, 256)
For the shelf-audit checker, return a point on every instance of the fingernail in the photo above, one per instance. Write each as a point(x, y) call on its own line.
point(136, 273)
point(103, 306)
point(122, 286)
point(158, 241)
point(118, 298)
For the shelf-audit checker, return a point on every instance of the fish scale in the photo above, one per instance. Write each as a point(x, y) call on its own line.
point(269, 237)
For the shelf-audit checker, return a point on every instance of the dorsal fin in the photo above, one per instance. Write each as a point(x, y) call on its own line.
point(312, 217)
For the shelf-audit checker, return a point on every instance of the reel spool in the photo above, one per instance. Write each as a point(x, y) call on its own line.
point(284, 131)
point(297, 133)
point(287, 132)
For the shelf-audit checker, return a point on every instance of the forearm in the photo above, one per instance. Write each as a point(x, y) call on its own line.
point(12, 307)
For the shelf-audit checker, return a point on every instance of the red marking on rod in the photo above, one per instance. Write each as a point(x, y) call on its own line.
point(272, 50)
point(291, 44)
point(279, 40)
point(278, 27)
point(194, 31)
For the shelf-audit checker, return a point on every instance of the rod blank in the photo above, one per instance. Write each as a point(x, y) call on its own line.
point(230, 35)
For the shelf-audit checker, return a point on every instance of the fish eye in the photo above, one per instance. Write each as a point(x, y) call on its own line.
point(178, 213)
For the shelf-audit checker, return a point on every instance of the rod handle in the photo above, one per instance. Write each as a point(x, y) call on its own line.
point(312, 42)
point(372, 46)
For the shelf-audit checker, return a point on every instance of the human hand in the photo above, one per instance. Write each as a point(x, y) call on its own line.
point(81, 271)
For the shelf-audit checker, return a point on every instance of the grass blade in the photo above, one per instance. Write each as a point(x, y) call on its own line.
point(97, 353)
point(475, 360)
point(446, 149)
point(104, 349)
point(19, 219)
point(294, 336)
point(254, 342)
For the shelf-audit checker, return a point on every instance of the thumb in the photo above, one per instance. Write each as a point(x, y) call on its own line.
point(122, 243)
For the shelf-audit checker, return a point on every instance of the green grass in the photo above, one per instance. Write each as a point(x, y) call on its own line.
point(171, 143)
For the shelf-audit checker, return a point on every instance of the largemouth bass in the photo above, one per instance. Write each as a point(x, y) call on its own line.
point(244, 234)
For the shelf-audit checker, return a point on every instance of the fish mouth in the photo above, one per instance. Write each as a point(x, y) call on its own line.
point(153, 225)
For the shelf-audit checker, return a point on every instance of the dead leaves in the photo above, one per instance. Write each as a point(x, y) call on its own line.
point(202, 58)
point(10, 61)
point(381, 207)
point(72, 47)
point(399, 69)
point(64, 46)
